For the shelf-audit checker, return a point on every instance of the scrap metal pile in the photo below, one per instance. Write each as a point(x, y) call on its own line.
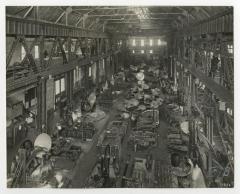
point(142, 103)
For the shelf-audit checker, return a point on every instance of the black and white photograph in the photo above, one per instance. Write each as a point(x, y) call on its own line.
point(119, 96)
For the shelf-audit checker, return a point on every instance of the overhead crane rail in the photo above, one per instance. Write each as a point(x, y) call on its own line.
point(19, 26)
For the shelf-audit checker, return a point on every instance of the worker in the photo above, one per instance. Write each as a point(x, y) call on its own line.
point(92, 100)
point(197, 178)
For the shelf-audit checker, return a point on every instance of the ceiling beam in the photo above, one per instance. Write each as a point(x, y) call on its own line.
point(122, 19)
point(68, 11)
point(128, 22)
point(83, 16)
point(21, 10)
point(204, 11)
point(79, 20)
point(28, 11)
point(36, 12)
point(95, 22)
point(132, 14)
point(102, 8)
point(59, 18)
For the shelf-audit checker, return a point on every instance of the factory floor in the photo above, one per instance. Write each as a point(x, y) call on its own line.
point(81, 170)
point(159, 152)
point(88, 160)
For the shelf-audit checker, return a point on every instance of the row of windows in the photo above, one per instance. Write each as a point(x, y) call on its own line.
point(59, 86)
point(143, 41)
point(230, 48)
point(143, 51)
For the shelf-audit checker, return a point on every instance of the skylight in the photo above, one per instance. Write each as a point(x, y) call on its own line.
point(141, 12)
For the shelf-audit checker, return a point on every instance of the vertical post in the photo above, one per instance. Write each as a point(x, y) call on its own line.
point(44, 112)
point(39, 107)
point(36, 12)
point(66, 18)
point(41, 52)
point(22, 155)
point(41, 104)
point(69, 85)
point(98, 62)
point(69, 43)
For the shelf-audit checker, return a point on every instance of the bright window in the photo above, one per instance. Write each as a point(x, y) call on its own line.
point(57, 87)
point(74, 76)
point(229, 111)
point(133, 51)
point(159, 42)
point(151, 51)
point(62, 85)
point(150, 42)
point(64, 47)
point(230, 48)
point(36, 52)
point(211, 54)
point(142, 51)
point(134, 42)
point(23, 53)
point(73, 47)
point(142, 42)
point(103, 63)
point(90, 71)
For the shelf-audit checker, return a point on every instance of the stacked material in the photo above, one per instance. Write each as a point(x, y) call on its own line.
point(95, 116)
point(83, 130)
point(148, 120)
point(139, 172)
point(177, 141)
point(65, 147)
point(173, 115)
point(113, 137)
point(105, 100)
point(141, 140)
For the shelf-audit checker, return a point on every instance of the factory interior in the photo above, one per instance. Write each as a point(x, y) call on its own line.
point(119, 97)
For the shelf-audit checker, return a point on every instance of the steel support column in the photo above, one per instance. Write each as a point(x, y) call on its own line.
point(41, 104)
